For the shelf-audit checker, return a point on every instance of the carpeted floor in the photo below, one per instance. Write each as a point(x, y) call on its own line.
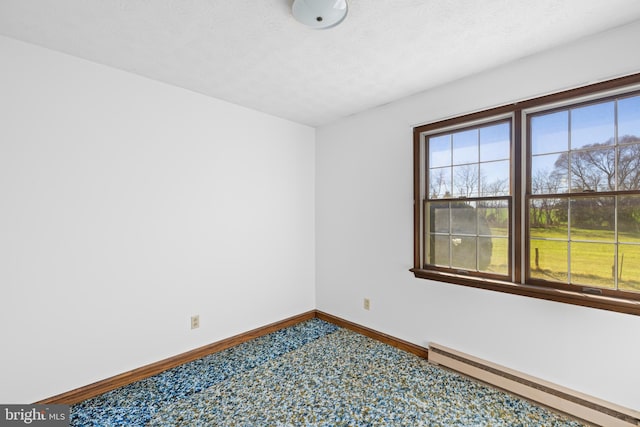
point(311, 374)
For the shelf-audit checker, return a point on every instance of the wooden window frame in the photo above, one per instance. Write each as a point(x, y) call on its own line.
point(479, 198)
point(617, 301)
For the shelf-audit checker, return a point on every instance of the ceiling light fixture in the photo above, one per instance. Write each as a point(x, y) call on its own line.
point(319, 14)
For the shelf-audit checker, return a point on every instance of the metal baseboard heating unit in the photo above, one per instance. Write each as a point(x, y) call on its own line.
point(588, 408)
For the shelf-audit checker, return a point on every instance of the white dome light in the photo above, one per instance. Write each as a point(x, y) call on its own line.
point(320, 14)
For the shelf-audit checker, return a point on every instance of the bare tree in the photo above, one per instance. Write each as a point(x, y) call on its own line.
point(499, 187)
point(466, 180)
point(629, 164)
point(545, 182)
point(594, 167)
point(548, 182)
point(439, 185)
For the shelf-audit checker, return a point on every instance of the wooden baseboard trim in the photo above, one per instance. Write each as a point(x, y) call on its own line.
point(371, 333)
point(92, 390)
point(117, 381)
point(623, 415)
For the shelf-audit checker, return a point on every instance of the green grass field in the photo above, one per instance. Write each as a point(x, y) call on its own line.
point(499, 256)
point(592, 255)
point(592, 263)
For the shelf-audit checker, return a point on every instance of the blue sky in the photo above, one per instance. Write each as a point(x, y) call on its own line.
point(552, 134)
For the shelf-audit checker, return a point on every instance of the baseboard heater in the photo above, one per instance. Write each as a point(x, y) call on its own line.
point(579, 405)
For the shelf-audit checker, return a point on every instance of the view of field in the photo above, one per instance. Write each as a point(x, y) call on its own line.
point(582, 196)
point(589, 257)
point(592, 263)
point(469, 236)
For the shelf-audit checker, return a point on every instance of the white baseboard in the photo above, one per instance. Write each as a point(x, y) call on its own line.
point(588, 408)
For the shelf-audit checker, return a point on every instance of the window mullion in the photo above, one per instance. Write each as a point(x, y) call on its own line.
point(569, 213)
point(615, 241)
point(616, 151)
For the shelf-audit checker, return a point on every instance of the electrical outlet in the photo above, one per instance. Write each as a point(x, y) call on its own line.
point(367, 304)
point(195, 321)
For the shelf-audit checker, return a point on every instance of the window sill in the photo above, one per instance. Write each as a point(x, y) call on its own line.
point(619, 305)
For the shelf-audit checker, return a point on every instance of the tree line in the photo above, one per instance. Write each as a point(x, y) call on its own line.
point(597, 167)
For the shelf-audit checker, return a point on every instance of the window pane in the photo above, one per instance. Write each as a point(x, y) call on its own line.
point(440, 183)
point(439, 151)
point(629, 219)
point(592, 125)
point(494, 215)
point(546, 177)
point(548, 218)
point(465, 147)
point(493, 245)
point(629, 247)
point(593, 218)
point(495, 142)
point(498, 250)
point(629, 268)
point(463, 252)
point(592, 264)
point(549, 260)
point(438, 251)
point(629, 167)
point(465, 180)
point(550, 133)
point(494, 178)
point(593, 170)
point(629, 119)
point(463, 218)
point(438, 221)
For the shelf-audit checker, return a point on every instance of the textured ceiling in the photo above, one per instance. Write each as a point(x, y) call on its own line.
point(253, 53)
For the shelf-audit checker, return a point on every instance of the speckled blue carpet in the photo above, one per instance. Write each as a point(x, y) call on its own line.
point(311, 374)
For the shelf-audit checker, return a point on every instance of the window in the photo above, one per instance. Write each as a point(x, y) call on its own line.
point(539, 198)
point(467, 205)
point(584, 203)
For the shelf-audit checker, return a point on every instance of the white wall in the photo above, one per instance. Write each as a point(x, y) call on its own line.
point(364, 225)
point(126, 206)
